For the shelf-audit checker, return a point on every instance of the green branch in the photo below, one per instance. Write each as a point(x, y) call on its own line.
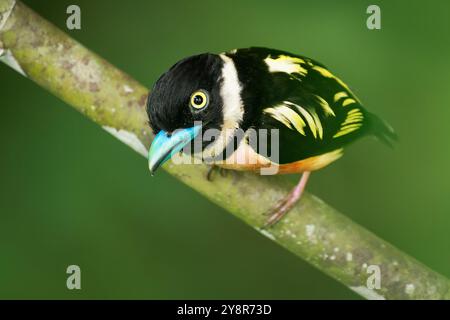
point(313, 230)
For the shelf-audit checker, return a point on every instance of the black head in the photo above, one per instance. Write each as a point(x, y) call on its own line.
point(189, 91)
point(197, 94)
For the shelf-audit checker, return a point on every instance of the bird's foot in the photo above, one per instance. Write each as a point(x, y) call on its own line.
point(212, 169)
point(286, 204)
point(281, 209)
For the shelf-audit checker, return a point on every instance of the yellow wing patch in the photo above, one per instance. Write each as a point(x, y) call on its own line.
point(318, 125)
point(286, 64)
point(348, 101)
point(312, 119)
point(309, 119)
point(288, 117)
point(298, 121)
point(352, 122)
point(325, 106)
point(338, 96)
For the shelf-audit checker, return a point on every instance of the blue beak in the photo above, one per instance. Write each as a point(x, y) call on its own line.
point(164, 146)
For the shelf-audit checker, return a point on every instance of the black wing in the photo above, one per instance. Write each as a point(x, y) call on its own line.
point(314, 111)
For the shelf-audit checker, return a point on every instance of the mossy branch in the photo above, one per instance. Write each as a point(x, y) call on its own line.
point(313, 230)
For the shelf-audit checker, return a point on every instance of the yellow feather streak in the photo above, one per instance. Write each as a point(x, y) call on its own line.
point(324, 72)
point(292, 119)
point(354, 115)
point(348, 126)
point(352, 122)
point(286, 64)
point(288, 117)
point(347, 130)
point(348, 101)
point(318, 124)
point(313, 120)
point(274, 114)
point(340, 95)
point(354, 110)
point(326, 107)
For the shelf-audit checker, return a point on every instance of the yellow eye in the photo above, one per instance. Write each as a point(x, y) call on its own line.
point(199, 99)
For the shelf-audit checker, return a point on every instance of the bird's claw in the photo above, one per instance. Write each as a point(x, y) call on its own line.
point(209, 175)
point(278, 212)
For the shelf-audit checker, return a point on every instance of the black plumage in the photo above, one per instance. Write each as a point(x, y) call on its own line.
point(306, 91)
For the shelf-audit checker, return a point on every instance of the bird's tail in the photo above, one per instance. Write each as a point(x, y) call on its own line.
point(382, 130)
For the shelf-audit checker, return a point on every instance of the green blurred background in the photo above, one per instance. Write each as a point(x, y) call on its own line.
point(71, 194)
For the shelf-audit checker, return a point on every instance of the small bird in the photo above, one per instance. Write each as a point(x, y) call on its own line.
point(314, 112)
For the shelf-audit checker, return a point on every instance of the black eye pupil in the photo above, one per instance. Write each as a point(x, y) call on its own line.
point(198, 100)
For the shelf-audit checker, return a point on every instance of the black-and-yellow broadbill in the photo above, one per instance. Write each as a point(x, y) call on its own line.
point(314, 112)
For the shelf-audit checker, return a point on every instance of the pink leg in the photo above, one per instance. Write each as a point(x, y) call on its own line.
point(288, 202)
